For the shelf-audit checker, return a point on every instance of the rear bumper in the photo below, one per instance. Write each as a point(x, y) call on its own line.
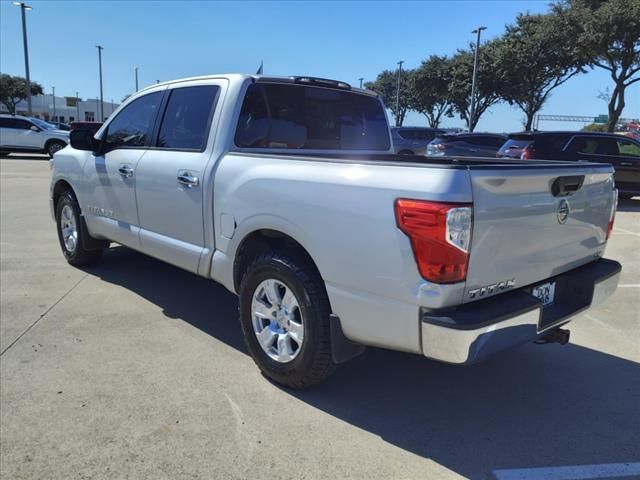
point(482, 328)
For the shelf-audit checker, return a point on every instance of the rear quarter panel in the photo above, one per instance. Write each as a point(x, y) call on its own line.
point(343, 215)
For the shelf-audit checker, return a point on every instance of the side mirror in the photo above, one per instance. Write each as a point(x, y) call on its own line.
point(33, 128)
point(84, 140)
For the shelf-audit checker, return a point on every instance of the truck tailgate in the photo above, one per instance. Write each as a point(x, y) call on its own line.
point(531, 223)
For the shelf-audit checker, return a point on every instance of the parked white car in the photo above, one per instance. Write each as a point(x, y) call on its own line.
point(286, 190)
point(31, 135)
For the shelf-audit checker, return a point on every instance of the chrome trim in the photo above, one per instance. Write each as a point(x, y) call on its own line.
point(464, 346)
point(455, 346)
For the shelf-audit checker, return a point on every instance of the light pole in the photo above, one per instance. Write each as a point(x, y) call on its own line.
point(77, 108)
point(473, 79)
point(398, 93)
point(100, 48)
point(54, 103)
point(361, 79)
point(136, 79)
point(24, 7)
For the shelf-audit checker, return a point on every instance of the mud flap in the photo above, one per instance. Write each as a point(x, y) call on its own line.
point(342, 349)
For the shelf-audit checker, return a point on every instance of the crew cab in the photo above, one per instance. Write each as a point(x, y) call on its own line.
point(287, 192)
point(20, 134)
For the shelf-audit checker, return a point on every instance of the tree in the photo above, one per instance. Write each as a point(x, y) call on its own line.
point(14, 89)
point(431, 89)
point(595, 127)
point(532, 63)
point(488, 82)
point(385, 85)
point(608, 36)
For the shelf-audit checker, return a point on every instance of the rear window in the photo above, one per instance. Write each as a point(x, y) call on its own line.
point(301, 117)
point(484, 140)
point(515, 145)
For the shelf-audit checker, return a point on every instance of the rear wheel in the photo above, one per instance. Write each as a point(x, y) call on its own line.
point(284, 314)
point(71, 233)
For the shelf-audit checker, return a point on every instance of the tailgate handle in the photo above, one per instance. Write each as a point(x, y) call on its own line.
point(565, 186)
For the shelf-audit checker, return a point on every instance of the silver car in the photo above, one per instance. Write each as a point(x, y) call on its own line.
point(413, 140)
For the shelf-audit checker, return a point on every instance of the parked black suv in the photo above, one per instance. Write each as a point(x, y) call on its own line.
point(620, 151)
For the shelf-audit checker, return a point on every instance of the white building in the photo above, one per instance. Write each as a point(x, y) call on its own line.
point(66, 109)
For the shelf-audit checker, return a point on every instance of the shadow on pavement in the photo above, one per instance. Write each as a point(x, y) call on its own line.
point(533, 406)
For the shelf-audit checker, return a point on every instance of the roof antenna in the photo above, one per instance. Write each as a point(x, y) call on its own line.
point(259, 72)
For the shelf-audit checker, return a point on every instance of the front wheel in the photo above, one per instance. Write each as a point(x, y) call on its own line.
point(284, 314)
point(53, 147)
point(71, 234)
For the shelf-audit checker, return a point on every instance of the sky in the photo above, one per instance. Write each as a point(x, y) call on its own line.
point(340, 40)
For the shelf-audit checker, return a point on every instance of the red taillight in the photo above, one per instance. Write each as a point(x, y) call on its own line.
point(440, 235)
point(612, 215)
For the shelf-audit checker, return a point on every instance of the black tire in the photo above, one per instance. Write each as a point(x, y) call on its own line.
point(313, 363)
point(79, 255)
point(53, 146)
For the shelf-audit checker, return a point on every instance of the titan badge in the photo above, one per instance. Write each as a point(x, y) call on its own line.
point(100, 212)
point(493, 288)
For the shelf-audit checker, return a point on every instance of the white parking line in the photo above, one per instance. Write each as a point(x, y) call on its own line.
point(631, 285)
point(622, 230)
point(572, 472)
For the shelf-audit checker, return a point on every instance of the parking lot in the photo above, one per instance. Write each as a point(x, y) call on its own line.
point(136, 369)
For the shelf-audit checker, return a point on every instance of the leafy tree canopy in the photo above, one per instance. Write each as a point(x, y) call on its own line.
point(386, 84)
point(14, 89)
point(430, 95)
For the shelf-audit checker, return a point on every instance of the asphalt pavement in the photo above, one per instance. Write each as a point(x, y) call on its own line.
point(135, 369)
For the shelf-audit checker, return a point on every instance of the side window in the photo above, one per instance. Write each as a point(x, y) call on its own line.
point(5, 123)
point(253, 125)
point(22, 124)
point(132, 126)
point(595, 146)
point(551, 144)
point(185, 123)
point(497, 141)
point(471, 140)
point(406, 134)
point(427, 136)
point(628, 148)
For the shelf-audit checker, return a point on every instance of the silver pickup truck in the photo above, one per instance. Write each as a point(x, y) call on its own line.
point(286, 191)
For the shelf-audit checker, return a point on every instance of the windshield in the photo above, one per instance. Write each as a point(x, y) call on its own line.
point(42, 124)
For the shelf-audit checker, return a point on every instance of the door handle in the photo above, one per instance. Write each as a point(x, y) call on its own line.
point(187, 179)
point(126, 171)
point(626, 164)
